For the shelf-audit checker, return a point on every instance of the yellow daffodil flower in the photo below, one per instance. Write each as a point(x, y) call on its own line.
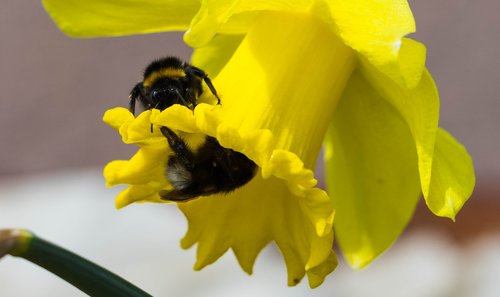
point(293, 75)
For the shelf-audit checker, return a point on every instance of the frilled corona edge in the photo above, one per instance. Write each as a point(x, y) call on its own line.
point(280, 204)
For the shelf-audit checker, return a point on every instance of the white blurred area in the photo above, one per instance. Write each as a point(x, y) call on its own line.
point(141, 243)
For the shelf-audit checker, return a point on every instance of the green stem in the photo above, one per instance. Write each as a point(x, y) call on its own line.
point(81, 273)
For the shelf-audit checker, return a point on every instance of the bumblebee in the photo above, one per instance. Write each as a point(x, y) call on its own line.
point(170, 81)
point(210, 168)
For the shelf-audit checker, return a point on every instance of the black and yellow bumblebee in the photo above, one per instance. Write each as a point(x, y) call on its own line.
point(170, 81)
point(208, 169)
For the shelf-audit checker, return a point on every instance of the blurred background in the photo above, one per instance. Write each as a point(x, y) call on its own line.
point(54, 91)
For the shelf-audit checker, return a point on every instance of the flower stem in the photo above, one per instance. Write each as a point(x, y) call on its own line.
point(81, 273)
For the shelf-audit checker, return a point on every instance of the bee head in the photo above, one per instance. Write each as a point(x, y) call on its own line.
point(167, 91)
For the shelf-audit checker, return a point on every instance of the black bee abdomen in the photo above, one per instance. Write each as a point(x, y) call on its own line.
point(211, 170)
point(221, 168)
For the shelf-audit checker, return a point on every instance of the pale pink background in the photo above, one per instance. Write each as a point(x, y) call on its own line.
point(54, 89)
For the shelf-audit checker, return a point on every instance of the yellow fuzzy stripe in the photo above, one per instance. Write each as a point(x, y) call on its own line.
point(166, 72)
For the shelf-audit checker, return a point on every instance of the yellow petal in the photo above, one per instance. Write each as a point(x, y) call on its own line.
point(93, 18)
point(133, 130)
point(374, 27)
point(117, 117)
point(452, 179)
point(371, 171)
point(233, 17)
point(408, 68)
point(220, 222)
point(176, 117)
point(145, 171)
point(144, 167)
point(213, 56)
point(316, 274)
point(419, 107)
point(279, 75)
point(137, 193)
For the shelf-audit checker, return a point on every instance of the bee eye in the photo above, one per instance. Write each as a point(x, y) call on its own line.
point(158, 95)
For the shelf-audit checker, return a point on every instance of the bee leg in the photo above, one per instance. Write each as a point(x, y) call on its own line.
point(134, 94)
point(183, 101)
point(211, 87)
point(192, 96)
point(200, 73)
point(179, 147)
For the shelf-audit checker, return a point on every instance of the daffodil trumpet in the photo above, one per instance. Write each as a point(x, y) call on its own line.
point(278, 126)
point(293, 76)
